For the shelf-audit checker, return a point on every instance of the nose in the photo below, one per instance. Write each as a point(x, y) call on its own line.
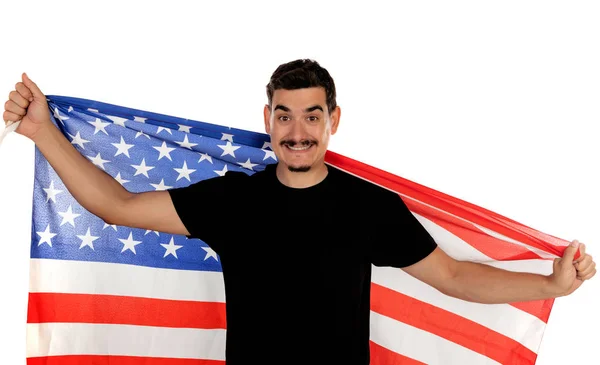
point(298, 131)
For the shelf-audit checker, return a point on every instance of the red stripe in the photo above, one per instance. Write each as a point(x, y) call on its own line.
point(87, 308)
point(116, 360)
point(463, 209)
point(382, 356)
point(450, 326)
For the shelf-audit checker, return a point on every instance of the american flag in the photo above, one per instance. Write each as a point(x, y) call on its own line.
point(107, 294)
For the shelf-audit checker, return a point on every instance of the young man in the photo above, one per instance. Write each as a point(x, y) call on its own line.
point(309, 303)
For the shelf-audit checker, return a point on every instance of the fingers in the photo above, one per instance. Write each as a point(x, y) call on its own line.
point(24, 91)
point(570, 252)
point(586, 276)
point(35, 90)
point(582, 253)
point(12, 107)
point(10, 117)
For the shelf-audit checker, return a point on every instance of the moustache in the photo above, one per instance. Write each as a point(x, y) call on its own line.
point(303, 143)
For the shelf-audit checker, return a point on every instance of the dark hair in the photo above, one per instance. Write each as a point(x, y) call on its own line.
point(299, 74)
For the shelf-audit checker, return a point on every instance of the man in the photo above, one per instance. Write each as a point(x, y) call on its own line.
point(313, 308)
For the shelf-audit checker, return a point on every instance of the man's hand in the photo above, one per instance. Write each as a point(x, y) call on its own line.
point(568, 273)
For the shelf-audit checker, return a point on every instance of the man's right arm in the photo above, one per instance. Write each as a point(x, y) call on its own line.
point(94, 189)
point(101, 194)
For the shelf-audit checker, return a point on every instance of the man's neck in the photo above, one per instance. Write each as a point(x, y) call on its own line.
point(298, 180)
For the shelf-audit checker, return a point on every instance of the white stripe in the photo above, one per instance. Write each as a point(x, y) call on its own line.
point(459, 249)
point(85, 277)
point(50, 339)
point(502, 318)
point(422, 345)
point(499, 236)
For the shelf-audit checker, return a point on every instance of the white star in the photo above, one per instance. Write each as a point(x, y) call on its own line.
point(114, 226)
point(142, 168)
point(164, 150)
point(248, 165)
point(222, 172)
point(184, 128)
point(122, 147)
point(168, 130)
point(227, 137)
point(99, 126)
point(98, 161)
point(120, 179)
point(209, 253)
point(51, 193)
point(205, 156)
point(148, 231)
point(57, 116)
point(161, 186)
point(87, 240)
point(93, 110)
point(228, 149)
point(129, 243)
point(270, 154)
point(46, 236)
point(140, 133)
point(70, 109)
point(117, 120)
point(139, 119)
point(78, 140)
point(171, 248)
point(68, 216)
point(185, 143)
point(267, 145)
point(184, 172)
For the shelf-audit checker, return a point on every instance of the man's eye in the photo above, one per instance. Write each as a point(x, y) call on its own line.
point(313, 118)
point(284, 118)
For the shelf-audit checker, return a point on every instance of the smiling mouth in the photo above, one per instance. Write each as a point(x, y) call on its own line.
point(298, 146)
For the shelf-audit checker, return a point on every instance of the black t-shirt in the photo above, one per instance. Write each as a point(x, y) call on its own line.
point(297, 262)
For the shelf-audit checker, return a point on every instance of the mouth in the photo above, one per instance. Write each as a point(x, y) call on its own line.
point(298, 147)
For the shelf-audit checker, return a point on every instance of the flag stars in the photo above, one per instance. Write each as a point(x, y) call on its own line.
point(142, 169)
point(120, 179)
point(148, 231)
point(78, 140)
point(228, 149)
point(205, 156)
point(210, 253)
point(129, 243)
point(222, 172)
point(160, 129)
point(117, 120)
point(113, 226)
point(99, 125)
point(98, 161)
point(68, 216)
point(122, 148)
point(267, 145)
point(171, 248)
point(269, 154)
point(58, 117)
point(186, 143)
point(87, 239)
point(248, 165)
point(51, 192)
point(139, 119)
point(46, 236)
point(184, 172)
point(140, 133)
point(184, 128)
point(161, 186)
point(164, 151)
point(227, 137)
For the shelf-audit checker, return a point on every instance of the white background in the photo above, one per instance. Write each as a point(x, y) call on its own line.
point(496, 103)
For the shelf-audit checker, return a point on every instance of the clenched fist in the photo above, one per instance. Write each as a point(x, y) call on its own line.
point(28, 104)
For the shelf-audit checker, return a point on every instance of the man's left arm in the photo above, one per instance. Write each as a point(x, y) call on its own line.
point(481, 283)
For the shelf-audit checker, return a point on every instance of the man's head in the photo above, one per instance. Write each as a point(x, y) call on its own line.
point(301, 113)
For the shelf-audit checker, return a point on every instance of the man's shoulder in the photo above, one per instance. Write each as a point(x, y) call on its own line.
point(356, 184)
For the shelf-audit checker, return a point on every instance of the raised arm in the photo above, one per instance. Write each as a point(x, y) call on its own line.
point(93, 188)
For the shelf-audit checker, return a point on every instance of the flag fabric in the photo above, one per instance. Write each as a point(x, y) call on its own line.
point(107, 294)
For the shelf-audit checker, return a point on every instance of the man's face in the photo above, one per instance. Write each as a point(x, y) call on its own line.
point(300, 125)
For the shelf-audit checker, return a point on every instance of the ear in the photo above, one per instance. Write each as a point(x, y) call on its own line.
point(335, 119)
point(267, 116)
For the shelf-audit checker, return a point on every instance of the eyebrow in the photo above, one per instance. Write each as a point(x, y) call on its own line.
point(307, 110)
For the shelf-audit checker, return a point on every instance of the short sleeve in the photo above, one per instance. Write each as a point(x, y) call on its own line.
point(202, 206)
point(397, 238)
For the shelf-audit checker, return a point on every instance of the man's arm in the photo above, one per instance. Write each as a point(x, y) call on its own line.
point(482, 283)
point(94, 189)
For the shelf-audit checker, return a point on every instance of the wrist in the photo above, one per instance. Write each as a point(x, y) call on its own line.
point(43, 132)
point(552, 288)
